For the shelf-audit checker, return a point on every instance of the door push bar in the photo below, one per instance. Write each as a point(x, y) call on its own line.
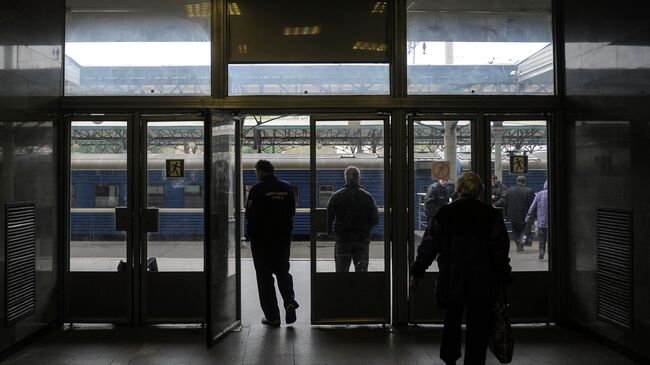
point(150, 219)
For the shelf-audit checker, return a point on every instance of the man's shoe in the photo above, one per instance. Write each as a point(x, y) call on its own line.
point(271, 322)
point(291, 313)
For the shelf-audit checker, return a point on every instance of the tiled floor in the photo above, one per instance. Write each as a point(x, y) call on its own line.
point(255, 343)
point(301, 344)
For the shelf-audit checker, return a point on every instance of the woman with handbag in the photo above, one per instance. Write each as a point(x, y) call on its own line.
point(471, 243)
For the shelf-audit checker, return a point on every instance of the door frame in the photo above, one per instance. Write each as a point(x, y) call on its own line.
point(195, 308)
point(84, 280)
point(383, 315)
point(133, 283)
point(420, 303)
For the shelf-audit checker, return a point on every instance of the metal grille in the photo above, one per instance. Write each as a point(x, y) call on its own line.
point(614, 270)
point(21, 262)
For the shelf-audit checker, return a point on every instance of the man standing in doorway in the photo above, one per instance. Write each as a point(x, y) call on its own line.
point(352, 212)
point(270, 208)
point(518, 200)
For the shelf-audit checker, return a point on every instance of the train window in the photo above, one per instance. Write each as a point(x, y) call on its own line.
point(324, 193)
point(156, 196)
point(73, 196)
point(193, 196)
point(296, 194)
point(107, 196)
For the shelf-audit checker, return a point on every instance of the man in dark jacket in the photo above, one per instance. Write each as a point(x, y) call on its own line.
point(518, 200)
point(471, 243)
point(498, 192)
point(270, 208)
point(437, 196)
point(351, 214)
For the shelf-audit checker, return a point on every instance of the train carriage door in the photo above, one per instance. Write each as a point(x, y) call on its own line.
point(350, 251)
point(172, 231)
point(222, 249)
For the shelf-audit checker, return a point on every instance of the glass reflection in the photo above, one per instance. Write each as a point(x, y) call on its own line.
point(137, 49)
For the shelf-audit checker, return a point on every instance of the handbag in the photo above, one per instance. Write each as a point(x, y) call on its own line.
point(502, 340)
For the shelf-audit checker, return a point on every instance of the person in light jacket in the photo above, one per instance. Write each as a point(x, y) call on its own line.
point(538, 212)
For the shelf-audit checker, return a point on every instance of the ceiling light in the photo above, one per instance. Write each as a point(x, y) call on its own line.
point(199, 10)
point(370, 46)
point(306, 30)
point(233, 9)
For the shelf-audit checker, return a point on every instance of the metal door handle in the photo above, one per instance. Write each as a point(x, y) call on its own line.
point(122, 219)
point(151, 220)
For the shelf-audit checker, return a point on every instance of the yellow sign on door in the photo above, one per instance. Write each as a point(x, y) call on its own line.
point(175, 168)
point(519, 164)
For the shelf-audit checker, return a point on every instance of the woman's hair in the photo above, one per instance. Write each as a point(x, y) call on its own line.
point(469, 185)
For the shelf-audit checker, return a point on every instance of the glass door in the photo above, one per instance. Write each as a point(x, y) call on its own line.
point(223, 249)
point(172, 230)
point(520, 187)
point(511, 153)
point(136, 219)
point(350, 251)
point(99, 261)
point(440, 150)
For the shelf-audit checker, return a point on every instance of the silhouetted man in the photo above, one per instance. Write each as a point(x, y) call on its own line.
point(353, 212)
point(518, 200)
point(270, 208)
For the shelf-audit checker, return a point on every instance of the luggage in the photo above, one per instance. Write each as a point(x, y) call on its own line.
point(527, 236)
point(502, 340)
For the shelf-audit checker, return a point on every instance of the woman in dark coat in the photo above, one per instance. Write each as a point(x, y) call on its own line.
point(471, 244)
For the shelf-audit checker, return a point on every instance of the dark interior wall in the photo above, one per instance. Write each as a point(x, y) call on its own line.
point(607, 151)
point(30, 88)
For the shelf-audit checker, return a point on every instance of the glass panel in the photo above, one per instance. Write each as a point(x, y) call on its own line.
point(283, 140)
point(471, 48)
point(137, 48)
point(521, 194)
point(354, 236)
point(223, 259)
point(316, 31)
point(442, 150)
point(98, 179)
point(308, 79)
point(178, 244)
point(316, 48)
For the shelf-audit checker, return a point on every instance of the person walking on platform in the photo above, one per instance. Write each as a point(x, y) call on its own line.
point(437, 196)
point(538, 212)
point(270, 208)
point(498, 192)
point(351, 215)
point(518, 200)
point(470, 241)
